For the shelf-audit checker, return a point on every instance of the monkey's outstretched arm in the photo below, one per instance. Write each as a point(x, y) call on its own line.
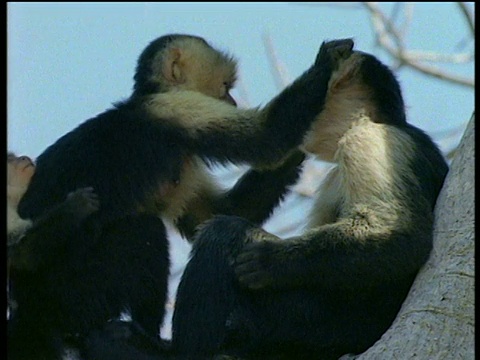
point(346, 254)
point(221, 132)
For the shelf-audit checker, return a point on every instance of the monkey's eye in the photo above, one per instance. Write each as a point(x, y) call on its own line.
point(228, 86)
point(224, 89)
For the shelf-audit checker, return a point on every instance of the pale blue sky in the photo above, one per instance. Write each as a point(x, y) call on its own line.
point(69, 61)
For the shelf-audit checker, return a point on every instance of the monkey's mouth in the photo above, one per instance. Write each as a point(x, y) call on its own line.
point(28, 162)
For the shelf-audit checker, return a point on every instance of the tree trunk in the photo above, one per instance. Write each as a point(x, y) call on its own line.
point(437, 318)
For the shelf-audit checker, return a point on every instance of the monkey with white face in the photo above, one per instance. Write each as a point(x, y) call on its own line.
point(33, 245)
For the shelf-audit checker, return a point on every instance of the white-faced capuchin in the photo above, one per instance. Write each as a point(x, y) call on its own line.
point(27, 239)
point(338, 287)
point(146, 159)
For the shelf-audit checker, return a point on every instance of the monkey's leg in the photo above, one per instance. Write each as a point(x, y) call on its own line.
point(133, 260)
point(362, 273)
point(334, 255)
point(207, 292)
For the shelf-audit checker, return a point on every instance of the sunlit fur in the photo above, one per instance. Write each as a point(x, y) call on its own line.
point(174, 200)
point(202, 68)
point(197, 112)
point(367, 173)
point(16, 226)
point(185, 62)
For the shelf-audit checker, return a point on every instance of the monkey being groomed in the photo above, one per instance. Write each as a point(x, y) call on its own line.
point(146, 158)
point(338, 287)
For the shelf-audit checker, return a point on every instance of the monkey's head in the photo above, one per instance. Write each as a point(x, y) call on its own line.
point(185, 62)
point(20, 170)
point(361, 87)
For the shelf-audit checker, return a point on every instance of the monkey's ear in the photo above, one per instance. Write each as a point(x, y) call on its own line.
point(172, 66)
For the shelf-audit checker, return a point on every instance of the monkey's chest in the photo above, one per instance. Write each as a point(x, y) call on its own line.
point(174, 197)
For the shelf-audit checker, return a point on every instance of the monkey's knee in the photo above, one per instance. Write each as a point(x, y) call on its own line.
point(222, 233)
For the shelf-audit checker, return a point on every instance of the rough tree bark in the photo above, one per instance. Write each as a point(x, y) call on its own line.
point(437, 318)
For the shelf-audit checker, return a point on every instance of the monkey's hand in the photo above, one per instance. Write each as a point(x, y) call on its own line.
point(331, 53)
point(254, 266)
point(82, 202)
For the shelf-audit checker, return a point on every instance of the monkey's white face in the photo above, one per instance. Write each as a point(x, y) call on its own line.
point(189, 64)
point(209, 73)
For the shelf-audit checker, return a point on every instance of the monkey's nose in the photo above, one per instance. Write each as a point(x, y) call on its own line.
point(24, 158)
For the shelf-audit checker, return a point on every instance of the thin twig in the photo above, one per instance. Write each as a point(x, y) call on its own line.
point(408, 19)
point(242, 92)
point(468, 16)
point(389, 39)
point(280, 75)
point(437, 57)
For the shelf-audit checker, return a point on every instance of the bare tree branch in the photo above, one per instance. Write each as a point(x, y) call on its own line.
point(345, 5)
point(468, 16)
point(436, 57)
point(395, 12)
point(241, 89)
point(391, 40)
point(408, 15)
point(279, 71)
point(439, 73)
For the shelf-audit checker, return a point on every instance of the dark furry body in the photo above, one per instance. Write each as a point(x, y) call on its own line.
point(87, 283)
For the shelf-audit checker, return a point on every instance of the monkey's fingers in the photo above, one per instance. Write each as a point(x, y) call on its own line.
point(90, 198)
point(93, 205)
point(250, 267)
point(252, 277)
point(259, 235)
point(90, 193)
point(247, 259)
point(340, 45)
point(255, 281)
point(332, 51)
point(83, 192)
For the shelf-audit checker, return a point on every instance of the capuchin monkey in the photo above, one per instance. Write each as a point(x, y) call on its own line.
point(146, 158)
point(338, 287)
point(27, 239)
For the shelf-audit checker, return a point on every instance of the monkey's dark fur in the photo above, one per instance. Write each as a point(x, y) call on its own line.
point(337, 288)
point(145, 159)
point(30, 245)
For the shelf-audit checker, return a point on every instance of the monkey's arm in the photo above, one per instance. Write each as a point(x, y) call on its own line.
point(346, 254)
point(52, 230)
point(256, 194)
point(221, 132)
